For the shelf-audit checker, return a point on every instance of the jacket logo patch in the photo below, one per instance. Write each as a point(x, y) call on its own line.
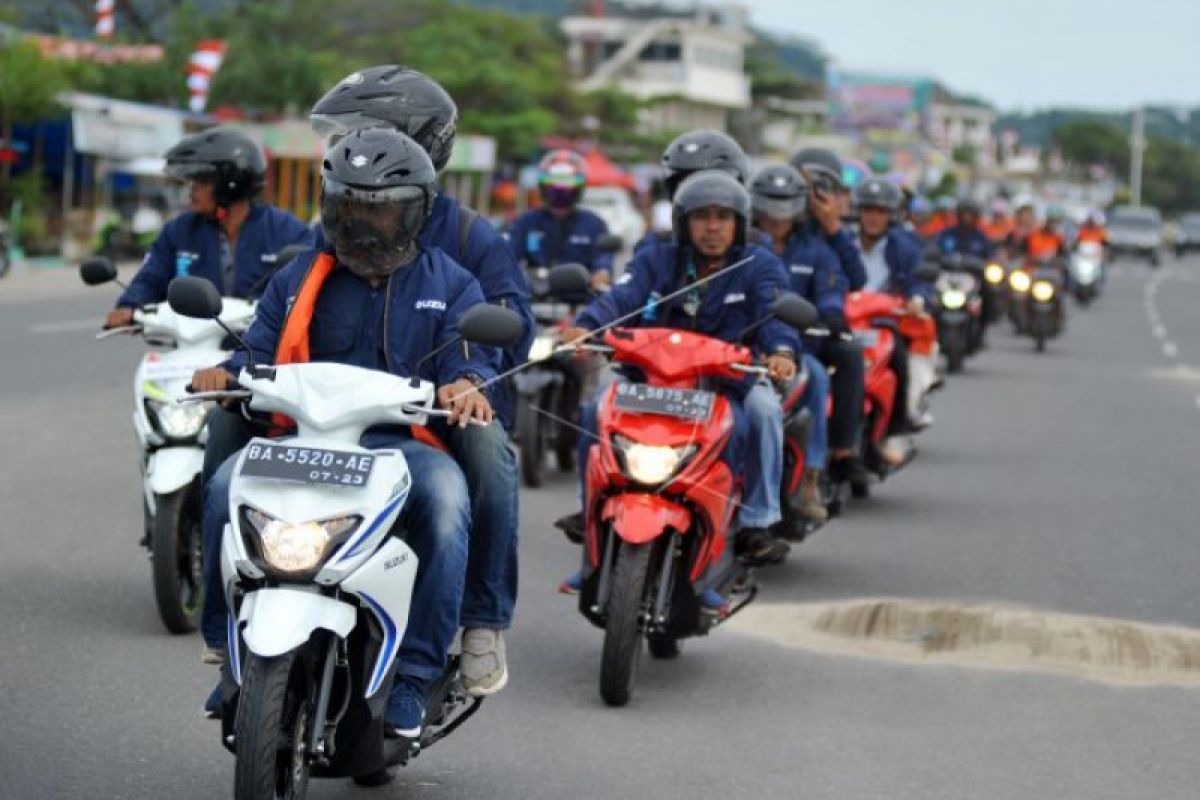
point(579, 239)
point(436, 305)
point(736, 297)
point(802, 269)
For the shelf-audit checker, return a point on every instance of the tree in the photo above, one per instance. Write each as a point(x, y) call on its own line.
point(29, 84)
point(1086, 142)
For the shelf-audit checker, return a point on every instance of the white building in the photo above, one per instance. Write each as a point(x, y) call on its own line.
point(689, 64)
point(956, 122)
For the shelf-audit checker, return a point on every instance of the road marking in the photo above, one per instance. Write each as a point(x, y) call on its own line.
point(1170, 350)
point(1160, 332)
point(66, 326)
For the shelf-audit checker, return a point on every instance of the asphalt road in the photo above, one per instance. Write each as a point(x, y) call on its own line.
point(1061, 482)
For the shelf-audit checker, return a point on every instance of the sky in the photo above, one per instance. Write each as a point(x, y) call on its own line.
point(1017, 54)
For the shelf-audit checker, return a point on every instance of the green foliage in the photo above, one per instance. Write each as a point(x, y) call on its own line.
point(29, 190)
point(28, 83)
point(1088, 141)
point(965, 154)
point(1171, 176)
point(771, 76)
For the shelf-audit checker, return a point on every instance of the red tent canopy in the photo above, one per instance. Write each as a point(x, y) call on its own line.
point(602, 172)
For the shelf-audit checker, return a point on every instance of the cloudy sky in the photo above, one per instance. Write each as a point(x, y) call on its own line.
point(1015, 53)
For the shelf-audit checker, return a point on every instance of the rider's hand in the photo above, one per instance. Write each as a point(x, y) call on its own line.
point(465, 402)
point(601, 280)
point(824, 208)
point(574, 335)
point(213, 379)
point(916, 305)
point(781, 367)
point(118, 318)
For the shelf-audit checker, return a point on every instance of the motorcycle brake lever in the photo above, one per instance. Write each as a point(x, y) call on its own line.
point(224, 394)
point(108, 333)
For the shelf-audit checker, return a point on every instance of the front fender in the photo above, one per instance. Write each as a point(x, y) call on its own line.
point(639, 518)
point(279, 620)
point(171, 468)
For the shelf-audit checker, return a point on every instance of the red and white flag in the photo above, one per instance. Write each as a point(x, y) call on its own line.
point(106, 22)
point(204, 63)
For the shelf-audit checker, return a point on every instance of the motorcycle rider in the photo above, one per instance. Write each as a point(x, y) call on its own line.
point(227, 236)
point(780, 197)
point(920, 210)
point(1024, 223)
point(1046, 242)
point(828, 202)
point(378, 190)
point(891, 257)
point(1092, 230)
point(560, 232)
point(712, 217)
point(395, 97)
point(966, 236)
point(999, 225)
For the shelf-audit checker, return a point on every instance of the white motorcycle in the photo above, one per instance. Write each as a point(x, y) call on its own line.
point(171, 437)
point(318, 590)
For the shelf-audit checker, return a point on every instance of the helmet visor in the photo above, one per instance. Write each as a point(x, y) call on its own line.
point(779, 207)
point(339, 125)
point(191, 171)
point(372, 230)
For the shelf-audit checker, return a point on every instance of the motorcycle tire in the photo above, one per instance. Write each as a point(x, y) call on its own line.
point(529, 426)
point(623, 627)
point(176, 557)
point(275, 707)
point(1039, 341)
point(955, 357)
point(663, 647)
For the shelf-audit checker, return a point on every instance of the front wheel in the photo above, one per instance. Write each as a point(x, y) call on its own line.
point(529, 426)
point(177, 557)
point(272, 729)
point(623, 630)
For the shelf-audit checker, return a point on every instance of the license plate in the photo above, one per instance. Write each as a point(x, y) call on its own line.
point(283, 462)
point(867, 338)
point(642, 398)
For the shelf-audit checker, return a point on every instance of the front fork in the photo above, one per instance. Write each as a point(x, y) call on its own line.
point(669, 551)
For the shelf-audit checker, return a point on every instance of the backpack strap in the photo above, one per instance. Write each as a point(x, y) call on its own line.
point(466, 220)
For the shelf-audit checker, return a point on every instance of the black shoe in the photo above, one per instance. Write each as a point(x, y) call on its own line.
point(848, 470)
point(572, 526)
point(757, 547)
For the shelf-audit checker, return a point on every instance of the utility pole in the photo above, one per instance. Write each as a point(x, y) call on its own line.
point(1137, 144)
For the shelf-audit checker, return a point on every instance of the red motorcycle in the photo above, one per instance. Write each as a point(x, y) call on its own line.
point(659, 501)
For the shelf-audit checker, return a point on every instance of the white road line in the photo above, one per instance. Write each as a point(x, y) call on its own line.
point(1160, 332)
point(1170, 350)
point(67, 326)
point(1198, 401)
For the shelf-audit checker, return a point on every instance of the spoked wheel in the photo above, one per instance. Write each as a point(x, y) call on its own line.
point(532, 431)
point(623, 631)
point(177, 556)
point(273, 724)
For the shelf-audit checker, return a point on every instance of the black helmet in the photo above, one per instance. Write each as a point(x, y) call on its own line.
point(820, 166)
point(969, 206)
point(706, 188)
point(395, 97)
point(876, 193)
point(779, 191)
point(698, 150)
point(377, 191)
point(226, 156)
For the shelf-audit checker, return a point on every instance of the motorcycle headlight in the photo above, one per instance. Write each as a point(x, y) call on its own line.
point(1085, 269)
point(1043, 291)
point(1019, 281)
point(296, 548)
point(179, 420)
point(651, 464)
point(993, 273)
point(543, 348)
point(953, 299)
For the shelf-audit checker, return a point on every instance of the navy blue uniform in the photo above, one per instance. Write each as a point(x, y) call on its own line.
point(965, 240)
point(542, 240)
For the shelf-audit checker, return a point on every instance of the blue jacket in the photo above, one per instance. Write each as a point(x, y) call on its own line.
point(842, 245)
point(540, 240)
point(389, 329)
point(903, 254)
point(729, 304)
point(190, 244)
point(815, 272)
point(968, 241)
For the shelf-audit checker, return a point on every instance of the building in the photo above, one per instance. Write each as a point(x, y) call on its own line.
point(689, 64)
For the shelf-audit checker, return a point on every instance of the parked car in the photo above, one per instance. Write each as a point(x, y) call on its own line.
point(616, 208)
point(1137, 231)
point(1187, 236)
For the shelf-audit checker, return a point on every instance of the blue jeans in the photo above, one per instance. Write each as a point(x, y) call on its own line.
point(435, 521)
point(816, 398)
point(764, 458)
point(490, 469)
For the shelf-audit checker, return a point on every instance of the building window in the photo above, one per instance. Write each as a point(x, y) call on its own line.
point(661, 51)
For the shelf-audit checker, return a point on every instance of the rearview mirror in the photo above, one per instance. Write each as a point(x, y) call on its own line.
point(570, 282)
point(609, 243)
point(795, 311)
point(193, 296)
point(491, 325)
point(97, 270)
point(928, 272)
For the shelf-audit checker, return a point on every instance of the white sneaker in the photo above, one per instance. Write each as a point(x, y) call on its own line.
point(483, 666)
point(213, 655)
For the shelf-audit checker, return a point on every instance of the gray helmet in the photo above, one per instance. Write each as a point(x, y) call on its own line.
point(228, 157)
point(819, 166)
point(694, 151)
point(779, 191)
point(395, 97)
point(876, 193)
point(377, 191)
point(706, 188)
